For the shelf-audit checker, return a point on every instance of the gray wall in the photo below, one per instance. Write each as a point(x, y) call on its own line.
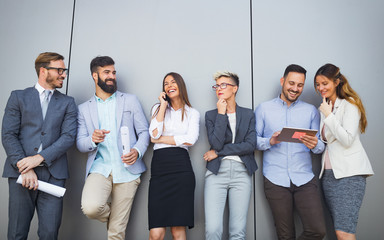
point(149, 38)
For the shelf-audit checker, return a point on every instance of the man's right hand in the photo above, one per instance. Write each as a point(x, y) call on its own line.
point(99, 135)
point(30, 180)
point(273, 139)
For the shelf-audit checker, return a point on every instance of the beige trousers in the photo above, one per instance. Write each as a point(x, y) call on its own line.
point(94, 202)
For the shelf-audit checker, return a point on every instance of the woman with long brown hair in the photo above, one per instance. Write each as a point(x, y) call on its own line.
point(345, 164)
point(174, 127)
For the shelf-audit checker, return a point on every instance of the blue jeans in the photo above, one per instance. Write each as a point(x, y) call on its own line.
point(233, 181)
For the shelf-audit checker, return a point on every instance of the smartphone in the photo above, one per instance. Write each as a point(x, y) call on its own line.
point(166, 98)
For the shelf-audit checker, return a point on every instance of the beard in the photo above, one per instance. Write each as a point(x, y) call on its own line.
point(54, 82)
point(107, 88)
point(288, 97)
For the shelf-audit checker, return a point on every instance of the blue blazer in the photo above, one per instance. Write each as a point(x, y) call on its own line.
point(128, 113)
point(220, 138)
point(24, 129)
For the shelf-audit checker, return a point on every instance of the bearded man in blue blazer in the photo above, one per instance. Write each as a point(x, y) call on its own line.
point(110, 172)
point(39, 126)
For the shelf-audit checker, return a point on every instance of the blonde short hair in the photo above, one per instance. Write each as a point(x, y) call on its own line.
point(227, 74)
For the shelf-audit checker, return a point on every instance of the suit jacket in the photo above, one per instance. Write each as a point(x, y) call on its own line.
point(24, 129)
point(128, 113)
point(346, 153)
point(220, 137)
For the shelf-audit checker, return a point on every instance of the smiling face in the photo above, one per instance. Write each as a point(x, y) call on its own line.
point(326, 87)
point(105, 78)
point(170, 87)
point(53, 78)
point(228, 92)
point(292, 87)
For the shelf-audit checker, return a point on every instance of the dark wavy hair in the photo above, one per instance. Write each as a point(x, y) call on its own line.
point(183, 94)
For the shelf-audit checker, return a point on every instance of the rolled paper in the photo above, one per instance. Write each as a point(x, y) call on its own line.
point(47, 187)
point(125, 141)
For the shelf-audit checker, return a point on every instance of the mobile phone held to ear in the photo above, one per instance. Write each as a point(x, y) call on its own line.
point(166, 98)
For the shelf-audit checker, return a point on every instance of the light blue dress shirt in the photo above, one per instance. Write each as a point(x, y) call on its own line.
point(286, 162)
point(108, 159)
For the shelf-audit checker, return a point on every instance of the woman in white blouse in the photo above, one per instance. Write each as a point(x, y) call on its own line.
point(345, 164)
point(174, 127)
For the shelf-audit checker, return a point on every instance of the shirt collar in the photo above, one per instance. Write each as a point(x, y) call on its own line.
point(278, 99)
point(111, 98)
point(40, 89)
point(186, 108)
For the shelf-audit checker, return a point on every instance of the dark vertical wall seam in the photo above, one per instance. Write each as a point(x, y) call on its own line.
point(70, 46)
point(253, 107)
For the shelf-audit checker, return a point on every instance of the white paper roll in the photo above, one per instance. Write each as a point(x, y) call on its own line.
point(124, 131)
point(46, 187)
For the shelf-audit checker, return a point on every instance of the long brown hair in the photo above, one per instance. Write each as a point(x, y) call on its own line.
point(183, 94)
point(343, 90)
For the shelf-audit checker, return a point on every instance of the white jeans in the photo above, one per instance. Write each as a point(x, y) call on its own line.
point(233, 181)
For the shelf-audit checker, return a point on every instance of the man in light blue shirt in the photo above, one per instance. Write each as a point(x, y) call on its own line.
point(110, 172)
point(287, 167)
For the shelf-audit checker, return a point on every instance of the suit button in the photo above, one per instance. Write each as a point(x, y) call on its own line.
point(36, 149)
point(42, 133)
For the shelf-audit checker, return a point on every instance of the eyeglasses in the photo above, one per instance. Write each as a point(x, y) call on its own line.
point(222, 86)
point(60, 71)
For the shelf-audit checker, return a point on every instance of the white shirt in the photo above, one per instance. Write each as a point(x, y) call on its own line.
point(40, 89)
point(186, 131)
point(232, 124)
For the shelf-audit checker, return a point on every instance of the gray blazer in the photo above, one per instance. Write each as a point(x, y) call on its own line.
point(220, 137)
point(24, 129)
point(128, 113)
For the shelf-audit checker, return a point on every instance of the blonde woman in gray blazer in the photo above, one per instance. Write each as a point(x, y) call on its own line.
point(230, 160)
point(345, 164)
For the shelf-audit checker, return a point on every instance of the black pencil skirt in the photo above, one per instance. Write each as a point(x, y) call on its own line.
point(171, 189)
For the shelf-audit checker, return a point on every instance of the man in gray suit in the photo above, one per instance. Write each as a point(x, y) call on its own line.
point(39, 126)
point(110, 172)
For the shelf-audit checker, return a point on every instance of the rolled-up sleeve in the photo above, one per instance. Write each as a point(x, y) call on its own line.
point(262, 142)
point(155, 125)
point(193, 130)
point(315, 124)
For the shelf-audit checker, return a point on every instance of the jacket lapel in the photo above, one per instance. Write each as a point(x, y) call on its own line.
point(35, 98)
point(51, 105)
point(328, 135)
point(238, 121)
point(336, 105)
point(119, 109)
point(92, 108)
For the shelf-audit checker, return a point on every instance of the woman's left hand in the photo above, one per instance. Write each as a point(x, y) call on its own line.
point(326, 108)
point(210, 155)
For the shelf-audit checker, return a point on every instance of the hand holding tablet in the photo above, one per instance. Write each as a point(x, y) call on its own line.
point(289, 134)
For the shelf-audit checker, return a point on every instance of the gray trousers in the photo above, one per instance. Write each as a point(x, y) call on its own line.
point(23, 203)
